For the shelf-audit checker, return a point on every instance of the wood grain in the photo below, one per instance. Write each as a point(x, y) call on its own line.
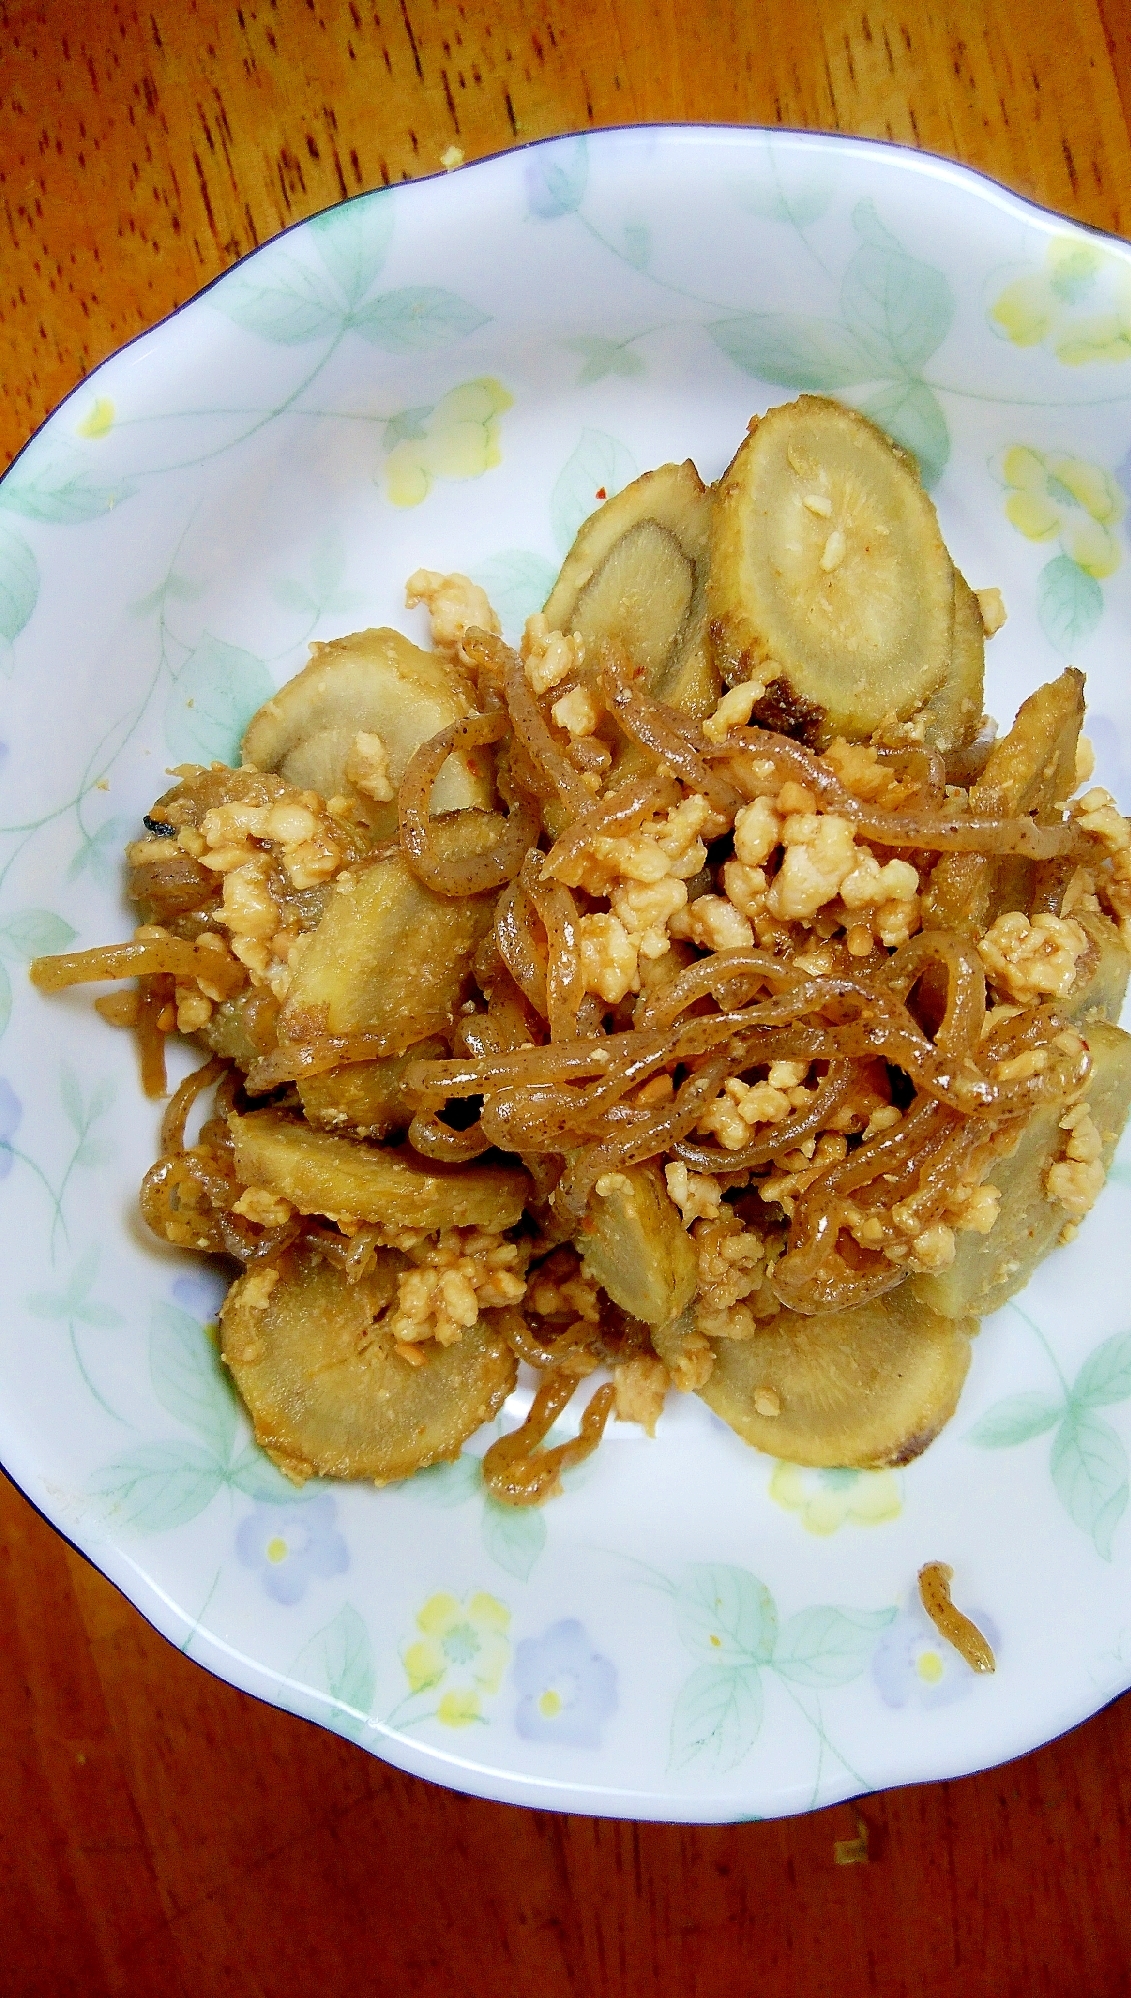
point(143, 152)
point(163, 1833)
point(159, 1832)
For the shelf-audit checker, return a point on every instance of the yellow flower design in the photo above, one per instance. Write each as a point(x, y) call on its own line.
point(1052, 497)
point(929, 1667)
point(827, 1499)
point(99, 419)
point(1079, 304)
point(458, 439)
point(463, 1648)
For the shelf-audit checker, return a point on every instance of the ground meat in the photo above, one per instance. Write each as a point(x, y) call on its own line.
point(454, 604)
point(462, 1271)
point(367, 767)
point(1027, 959)
point(641, 1385)
point(696, 1194)
point(549, 656)
point(1077, 1177)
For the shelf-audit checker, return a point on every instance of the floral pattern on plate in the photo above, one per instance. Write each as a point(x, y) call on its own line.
point(1087, 1460)
point(454, 374)
point(460, 1653)
point(827, 1500)
point(1051, 498)
point(289, 1547)
point(913, 1666)
point(1078, 302)
point(566, 1689)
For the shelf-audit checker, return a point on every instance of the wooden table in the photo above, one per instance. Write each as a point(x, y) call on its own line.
point(160, 1832)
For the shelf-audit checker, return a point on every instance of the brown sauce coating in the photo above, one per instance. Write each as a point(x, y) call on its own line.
point(788, 713)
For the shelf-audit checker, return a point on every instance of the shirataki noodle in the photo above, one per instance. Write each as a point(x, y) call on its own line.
point(822, 1084)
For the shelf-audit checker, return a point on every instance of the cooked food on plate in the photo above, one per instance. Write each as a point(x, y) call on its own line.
point(700, 996)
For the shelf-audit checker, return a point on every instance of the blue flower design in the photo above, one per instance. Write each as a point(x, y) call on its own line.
point(5, 752)
point(566, 1690)
point(201, 1295)
point(912, 1663)
point(292, 1545)
point(11, 1110)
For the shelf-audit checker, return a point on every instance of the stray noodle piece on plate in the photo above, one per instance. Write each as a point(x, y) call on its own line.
point(853, 1851)
point(934, 1594)
point(699, 992)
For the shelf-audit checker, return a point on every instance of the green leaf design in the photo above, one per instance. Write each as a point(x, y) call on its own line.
point(292, 597)
point(514, 1536)
point(102, 851)
point(159, 1485)
point(68, 1303)
point(598, 469)
point(792, 351)
point(90, 1312)
point(556, 177)
point(575, 1477)
point(102, 1096)
point(74, 1302)
point(1069, 604)
point(726, 1615)
point(799, 205)
point(216, 693)
point(638, 244)
point(826, 1646)
point(416, 319)
point(185, 1370)
point(518, 583)
point(182, 589)
point(406, 428)
point(895, 311)
point(447, 1484)
point(327, 568)
point(70, 1095)
point(79, 1116)
point(100, 1099)
point(1089, 1469)
point(179, 588)
point(898, 308)
point(145, 606)
point(60, 498)
point(19, 586)
point(604, 357)
point(279, 299)
point(339, 1658)
point(717, 1715)
point(353, 241)
point(32, 933)
point(349, 1659)
point(255, 1475)
point(328, 564)
point(1105, 1376)
point(1017, 1419)
point(47, 1303)
point(911, 413)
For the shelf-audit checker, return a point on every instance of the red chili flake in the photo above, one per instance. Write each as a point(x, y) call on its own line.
point(601, 493)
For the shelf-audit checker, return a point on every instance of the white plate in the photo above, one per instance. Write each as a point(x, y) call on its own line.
point(454, 373)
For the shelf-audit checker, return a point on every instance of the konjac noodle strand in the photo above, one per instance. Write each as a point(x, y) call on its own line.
point(664, 998)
